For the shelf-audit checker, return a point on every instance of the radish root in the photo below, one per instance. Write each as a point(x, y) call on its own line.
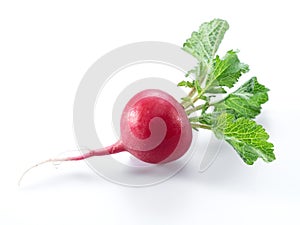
point(115, 148)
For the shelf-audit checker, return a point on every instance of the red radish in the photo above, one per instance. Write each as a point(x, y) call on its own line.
point(154, 128)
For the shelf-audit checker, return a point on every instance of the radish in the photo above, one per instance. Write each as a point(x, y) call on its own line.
point(154, 128)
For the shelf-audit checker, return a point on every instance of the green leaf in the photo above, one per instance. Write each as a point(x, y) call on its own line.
point(226, 71)
point(204, 43)
point(247, 137)
point(192, 71)
point(245, 101)
point(230, 118)
point(216, 90)
point(197, 86)
point(206, 118)
point(186, 84)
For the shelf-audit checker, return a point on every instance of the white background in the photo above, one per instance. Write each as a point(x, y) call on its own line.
point(45, 49)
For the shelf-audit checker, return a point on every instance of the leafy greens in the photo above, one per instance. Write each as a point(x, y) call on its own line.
point(232, 117)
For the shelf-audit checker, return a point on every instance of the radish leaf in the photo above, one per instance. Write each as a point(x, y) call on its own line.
point(231, 117)
point(204, 44)
point(226, 71)
point(245, 101)
point(246, 137)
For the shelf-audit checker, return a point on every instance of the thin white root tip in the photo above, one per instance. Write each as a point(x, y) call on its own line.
point(30, 168)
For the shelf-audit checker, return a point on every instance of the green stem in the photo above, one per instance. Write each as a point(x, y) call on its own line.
point(198, 125)
point(191, 103)
point(194, 119)
point(191, 94)
point(190, 111)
